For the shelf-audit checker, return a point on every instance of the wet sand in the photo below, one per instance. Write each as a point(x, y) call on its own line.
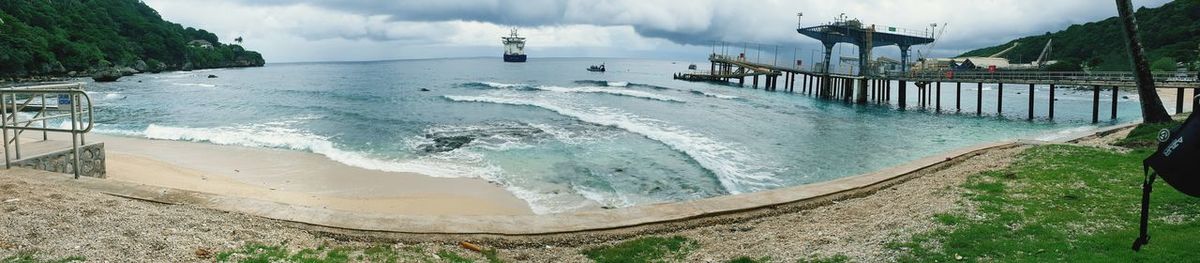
point(299, 178)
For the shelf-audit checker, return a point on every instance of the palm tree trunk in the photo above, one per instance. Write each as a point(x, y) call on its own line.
point(1152, 106)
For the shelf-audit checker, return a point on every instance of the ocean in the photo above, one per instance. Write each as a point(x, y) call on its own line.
point(562, 138)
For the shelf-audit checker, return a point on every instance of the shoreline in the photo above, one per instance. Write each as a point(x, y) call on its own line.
point(316, 181)
point(11, 81)
point(299, 178)
point(133, 229)
point(623, 220)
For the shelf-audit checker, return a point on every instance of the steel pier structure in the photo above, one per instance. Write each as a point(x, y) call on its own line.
point(877, 87)
point(853, 32)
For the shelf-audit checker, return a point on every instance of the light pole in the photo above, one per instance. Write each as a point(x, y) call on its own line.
point(799, 18)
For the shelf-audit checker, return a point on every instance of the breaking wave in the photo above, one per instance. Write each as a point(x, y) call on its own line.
point(195, 85)
point(602, 90)
point(714, 95)
point(275, 135)
point(734, 169)
point(619, 84)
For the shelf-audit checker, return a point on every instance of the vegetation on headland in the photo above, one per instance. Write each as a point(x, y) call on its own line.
point(54, 38)
point(1170, 33)
point(1065, 203)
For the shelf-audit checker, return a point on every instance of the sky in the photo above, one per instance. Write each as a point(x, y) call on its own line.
point(365, 30)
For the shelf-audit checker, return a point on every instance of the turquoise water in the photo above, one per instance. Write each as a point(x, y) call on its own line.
point(557, 136)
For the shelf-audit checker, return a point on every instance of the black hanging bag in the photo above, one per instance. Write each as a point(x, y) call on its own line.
point(1177, 161)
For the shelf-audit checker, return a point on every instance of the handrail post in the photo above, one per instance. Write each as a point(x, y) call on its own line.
point(45, 137)
point(16, 133)
point(77, 102)
point(4, 124)
point(74, 140)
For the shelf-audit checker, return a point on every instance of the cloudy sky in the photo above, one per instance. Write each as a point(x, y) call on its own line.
point(357, 30)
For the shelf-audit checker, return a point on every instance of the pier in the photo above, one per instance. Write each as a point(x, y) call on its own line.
point(870, 87)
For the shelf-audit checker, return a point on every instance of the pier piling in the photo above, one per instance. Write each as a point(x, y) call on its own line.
point(1179, 100)
point(979, 100)
point(1000, 99)
point(1031, 89)
point(887, 93)
point(958, 97)
point(792, 83)
point(1051, 101)
point(1115, 97)
point(1096, 104)
point(938, 102)
point(920, 96)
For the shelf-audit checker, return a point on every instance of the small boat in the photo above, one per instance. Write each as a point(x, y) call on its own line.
point(692, 67)
point(595, 68)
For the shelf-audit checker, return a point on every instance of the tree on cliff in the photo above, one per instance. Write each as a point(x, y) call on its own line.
point(1152, 106)
point(56, 37)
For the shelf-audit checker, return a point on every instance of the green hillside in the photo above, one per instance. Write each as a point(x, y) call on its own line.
point(42, 37)
point(1170, 33)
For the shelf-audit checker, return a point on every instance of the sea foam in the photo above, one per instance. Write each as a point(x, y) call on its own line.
point(195, 85)
point(587, 89)
point(735, 169)
point(274, 136)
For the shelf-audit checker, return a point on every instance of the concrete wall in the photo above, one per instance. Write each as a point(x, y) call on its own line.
point(91, 161)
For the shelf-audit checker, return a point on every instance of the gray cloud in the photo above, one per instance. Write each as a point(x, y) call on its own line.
point(974, 23)
point(506, 12)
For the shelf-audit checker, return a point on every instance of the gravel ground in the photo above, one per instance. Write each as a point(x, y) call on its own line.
point(55, 221)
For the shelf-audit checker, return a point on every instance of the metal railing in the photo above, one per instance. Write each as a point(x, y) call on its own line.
point(1183, 78)
point(69, 98)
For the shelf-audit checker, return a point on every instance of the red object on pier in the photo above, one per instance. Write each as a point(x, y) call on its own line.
point(950, 74)
point(992, 69)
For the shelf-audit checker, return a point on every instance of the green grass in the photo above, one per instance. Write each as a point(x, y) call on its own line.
point(1064, 203)
point(750, 260)
point(29, 257)
point(646, 249)
point(1145, 136)
point(253, 253)
point(450, 256)
point(833, 259)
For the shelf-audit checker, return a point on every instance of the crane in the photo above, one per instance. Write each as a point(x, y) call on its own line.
point(923, 54)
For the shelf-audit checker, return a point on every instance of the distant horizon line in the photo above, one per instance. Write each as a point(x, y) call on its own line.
point(441, 58)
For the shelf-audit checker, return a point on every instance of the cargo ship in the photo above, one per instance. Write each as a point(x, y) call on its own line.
point(514, 47)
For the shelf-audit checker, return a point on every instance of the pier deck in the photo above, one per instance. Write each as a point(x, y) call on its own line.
point(878, 88)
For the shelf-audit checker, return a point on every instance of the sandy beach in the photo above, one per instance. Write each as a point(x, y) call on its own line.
point(858, 228)
point(43, 214)
point(1169, 98)
point(299, 178)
